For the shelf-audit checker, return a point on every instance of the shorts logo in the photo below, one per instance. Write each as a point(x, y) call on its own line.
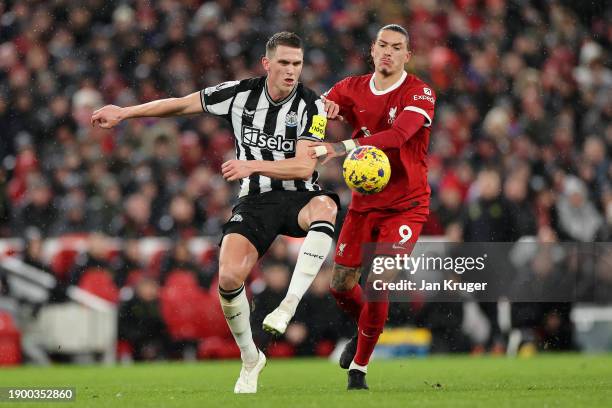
point(291, 120)
point(236, 218)
point(427, 91)
point(317, 129)
point(341, 249)
point(254, 137)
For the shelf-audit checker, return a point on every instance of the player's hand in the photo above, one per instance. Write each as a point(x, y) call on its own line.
point(233, 170)
point(331, 109)
point(315, 150)
point(107, 117)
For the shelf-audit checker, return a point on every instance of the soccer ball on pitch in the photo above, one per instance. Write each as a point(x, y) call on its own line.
point(366, 170)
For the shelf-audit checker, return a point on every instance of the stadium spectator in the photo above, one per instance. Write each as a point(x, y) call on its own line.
point(180, 259)
point(578, 218)
point(128, 265)
point(95, 259)
point(141, 324)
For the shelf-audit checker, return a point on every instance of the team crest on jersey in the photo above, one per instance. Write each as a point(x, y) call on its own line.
point(291, 120)
point(341, 249)
point(427, 91)
point(392, 114)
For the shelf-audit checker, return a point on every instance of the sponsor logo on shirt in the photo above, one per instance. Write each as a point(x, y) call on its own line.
point(254, 137)
point(425, 98)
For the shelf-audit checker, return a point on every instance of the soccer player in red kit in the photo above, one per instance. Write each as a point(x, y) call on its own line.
point(393, 111)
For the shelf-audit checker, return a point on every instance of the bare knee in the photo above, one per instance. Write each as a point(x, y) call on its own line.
point(323, 209)
point(231, 276)
point(236, 259)
point(345, 278)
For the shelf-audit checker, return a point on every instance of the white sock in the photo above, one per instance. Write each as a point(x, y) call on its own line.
point(237, 311)
point(313, 252)
point(355, 366)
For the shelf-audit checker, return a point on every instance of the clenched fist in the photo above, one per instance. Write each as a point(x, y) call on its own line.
point(107, 117)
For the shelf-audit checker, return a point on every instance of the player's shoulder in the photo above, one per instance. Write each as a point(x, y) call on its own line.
point(250, 84)
point(307, 94)
point(356, 81)
point(415, 84)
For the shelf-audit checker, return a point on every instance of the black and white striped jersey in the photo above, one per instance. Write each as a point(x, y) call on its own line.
point(265, 129)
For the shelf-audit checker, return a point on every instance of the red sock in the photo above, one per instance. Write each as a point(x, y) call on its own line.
point(350, 301)
point(371, 323)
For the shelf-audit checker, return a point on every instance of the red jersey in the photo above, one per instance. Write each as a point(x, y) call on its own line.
point(370, 111)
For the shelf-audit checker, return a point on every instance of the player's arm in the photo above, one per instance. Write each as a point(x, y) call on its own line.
point(335, 102)
point(111, 115)
point(215, 100)
point(406, 125)
point(299, 167)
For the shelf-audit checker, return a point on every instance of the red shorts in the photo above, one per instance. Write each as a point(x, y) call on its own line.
point(389, 227)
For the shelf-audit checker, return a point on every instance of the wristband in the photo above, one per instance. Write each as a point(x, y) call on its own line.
point(349, 144)
point(320, 151)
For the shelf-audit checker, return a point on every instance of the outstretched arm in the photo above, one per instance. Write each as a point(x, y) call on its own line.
point(299, 167)
point(110, 115)
point(407, 125)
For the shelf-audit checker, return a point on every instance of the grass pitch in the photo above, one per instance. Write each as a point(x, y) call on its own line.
point(567, 380)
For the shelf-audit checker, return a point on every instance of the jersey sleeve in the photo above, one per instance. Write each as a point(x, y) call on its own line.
point(338, 93)
point(421, 99)
point(218, 99)
point(314, 122)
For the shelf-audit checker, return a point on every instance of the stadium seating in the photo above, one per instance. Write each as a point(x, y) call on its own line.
point(10, 349)
point(100, 283)
point(183, 305)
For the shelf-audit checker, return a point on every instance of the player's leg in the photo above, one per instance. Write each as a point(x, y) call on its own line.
point(347, 271)
point(346, 289)
point(345, 280)
point(317, 217)
point(399, 229)
point(236, 259)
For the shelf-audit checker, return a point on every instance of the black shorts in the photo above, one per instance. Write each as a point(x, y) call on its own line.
point(260, 218)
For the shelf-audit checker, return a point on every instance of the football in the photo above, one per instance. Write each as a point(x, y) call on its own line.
point(366, 170)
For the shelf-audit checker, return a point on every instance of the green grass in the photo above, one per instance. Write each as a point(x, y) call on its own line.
point(567, 380)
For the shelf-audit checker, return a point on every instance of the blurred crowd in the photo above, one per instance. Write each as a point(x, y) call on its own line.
point(521, 142)
point(524, 92)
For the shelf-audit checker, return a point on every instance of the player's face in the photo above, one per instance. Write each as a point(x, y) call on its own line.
point(283, 67)
point(390, 52)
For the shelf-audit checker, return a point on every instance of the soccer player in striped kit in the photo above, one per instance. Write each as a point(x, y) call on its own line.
point(275, 119)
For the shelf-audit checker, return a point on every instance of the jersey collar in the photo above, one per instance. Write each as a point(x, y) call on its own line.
point(272, 101)
point(389, 89)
